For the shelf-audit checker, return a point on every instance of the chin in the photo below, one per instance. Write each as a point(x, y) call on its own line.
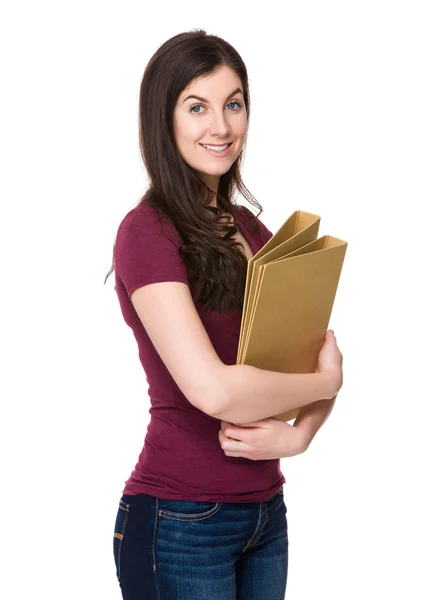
point(215, 173)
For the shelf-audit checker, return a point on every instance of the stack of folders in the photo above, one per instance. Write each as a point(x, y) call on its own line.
point(289, 295)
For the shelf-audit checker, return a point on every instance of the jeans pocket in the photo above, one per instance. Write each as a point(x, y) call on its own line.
point(186, 510)
point(119, 532)
point(280, 495)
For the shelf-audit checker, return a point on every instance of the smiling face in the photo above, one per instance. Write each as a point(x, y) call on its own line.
point(215, 114)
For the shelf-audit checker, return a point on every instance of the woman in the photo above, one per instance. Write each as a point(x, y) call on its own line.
point(202, 515)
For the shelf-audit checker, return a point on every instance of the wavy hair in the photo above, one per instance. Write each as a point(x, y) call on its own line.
point(216, 264)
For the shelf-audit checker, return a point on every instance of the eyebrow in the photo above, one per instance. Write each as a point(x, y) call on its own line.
point(238, 90)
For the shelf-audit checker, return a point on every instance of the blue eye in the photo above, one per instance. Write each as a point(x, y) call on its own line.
point(199, 113)
point(235, 102)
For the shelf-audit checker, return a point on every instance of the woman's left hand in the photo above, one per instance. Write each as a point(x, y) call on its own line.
point(261, 440)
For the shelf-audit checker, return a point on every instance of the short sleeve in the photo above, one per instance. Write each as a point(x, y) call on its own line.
point(146, 252)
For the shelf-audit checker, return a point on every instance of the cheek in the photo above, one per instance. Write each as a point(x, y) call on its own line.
point(189, 130)
point(241, 127)
point(195, 132)
point(185, 131)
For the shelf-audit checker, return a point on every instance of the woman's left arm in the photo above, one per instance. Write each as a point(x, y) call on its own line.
point(272, 438)
point(312, 417)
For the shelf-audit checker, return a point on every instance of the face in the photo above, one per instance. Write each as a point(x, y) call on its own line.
point(216, 117)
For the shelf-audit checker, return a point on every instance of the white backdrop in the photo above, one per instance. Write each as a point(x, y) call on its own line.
point(339, 128)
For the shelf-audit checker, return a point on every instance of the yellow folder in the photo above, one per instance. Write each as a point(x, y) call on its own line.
point(289, 294)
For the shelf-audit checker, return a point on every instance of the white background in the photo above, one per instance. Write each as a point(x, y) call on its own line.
point(339, 128)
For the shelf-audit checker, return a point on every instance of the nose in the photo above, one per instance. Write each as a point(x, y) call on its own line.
point(219, 124)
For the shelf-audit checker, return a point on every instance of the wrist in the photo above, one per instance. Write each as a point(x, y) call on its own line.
point(332, 383)
point(302, 438)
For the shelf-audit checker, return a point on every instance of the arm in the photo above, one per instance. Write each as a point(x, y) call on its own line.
point(157, 287)
point(251, 394)
point(234, 393)
point(311, 418)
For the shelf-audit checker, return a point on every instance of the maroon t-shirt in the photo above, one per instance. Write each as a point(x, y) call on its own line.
point(182, 458)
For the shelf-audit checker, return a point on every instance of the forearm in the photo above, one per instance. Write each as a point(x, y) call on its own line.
point(312, 417)
point(250, 393)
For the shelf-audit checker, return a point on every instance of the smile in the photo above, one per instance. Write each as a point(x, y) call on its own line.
point(222, 150)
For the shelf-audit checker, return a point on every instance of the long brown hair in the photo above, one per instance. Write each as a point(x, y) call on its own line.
point(216, 265)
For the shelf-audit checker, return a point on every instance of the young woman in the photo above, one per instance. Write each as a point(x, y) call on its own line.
point(202, 515)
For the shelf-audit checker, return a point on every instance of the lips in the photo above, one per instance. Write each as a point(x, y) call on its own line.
point(218, 153)
point(217, 145)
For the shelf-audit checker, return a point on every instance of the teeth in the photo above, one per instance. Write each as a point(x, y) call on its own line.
point(216, 148)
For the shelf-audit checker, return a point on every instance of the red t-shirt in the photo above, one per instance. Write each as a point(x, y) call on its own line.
point(182, 458)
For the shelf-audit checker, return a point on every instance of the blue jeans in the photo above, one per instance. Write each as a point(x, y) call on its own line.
point(182, 550)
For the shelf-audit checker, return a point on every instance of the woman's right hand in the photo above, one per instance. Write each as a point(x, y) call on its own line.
point(330, 361)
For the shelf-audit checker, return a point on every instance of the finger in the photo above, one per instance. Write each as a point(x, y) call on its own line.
point(232, 445)
point(232, 435)
point(226, 439)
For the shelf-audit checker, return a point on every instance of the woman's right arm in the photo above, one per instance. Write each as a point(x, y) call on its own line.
point(257, 393)
point(236, 393)
point(253, 393)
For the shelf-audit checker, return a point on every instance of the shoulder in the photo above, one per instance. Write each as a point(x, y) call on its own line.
point(146, 221)
point(147, 250)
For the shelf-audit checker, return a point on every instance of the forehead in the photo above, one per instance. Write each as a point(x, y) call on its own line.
point(223, 80)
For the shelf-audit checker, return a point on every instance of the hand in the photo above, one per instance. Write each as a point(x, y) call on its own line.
point(261, 440)
point(330, 361)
